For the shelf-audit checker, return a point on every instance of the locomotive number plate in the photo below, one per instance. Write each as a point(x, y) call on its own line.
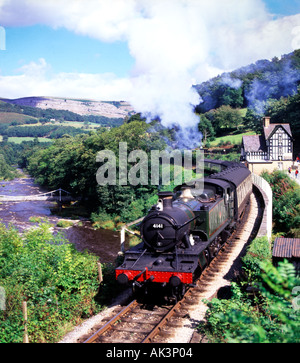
point(158, 226)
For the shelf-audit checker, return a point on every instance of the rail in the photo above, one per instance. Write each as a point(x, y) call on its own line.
point(111, 322)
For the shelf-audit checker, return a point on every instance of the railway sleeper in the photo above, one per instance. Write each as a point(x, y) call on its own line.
point(115, 341)
point(200, 288)
point(182, 315)
point(174, 324)
point(189, 301)
point(134, 330)
point(129, 320)
point(165, 333)
point(146, 312)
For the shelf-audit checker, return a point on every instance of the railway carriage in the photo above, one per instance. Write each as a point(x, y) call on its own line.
point(185, 230)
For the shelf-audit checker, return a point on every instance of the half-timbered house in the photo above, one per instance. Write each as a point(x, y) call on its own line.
point(269, 151)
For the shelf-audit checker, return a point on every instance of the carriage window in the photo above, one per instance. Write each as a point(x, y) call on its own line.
point(227, 195)
point(219, 192)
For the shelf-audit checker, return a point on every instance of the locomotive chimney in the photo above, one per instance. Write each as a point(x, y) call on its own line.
point(166, 198)
point(267, 121)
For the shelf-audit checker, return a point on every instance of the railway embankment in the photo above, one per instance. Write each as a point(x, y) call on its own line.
point(264, 190)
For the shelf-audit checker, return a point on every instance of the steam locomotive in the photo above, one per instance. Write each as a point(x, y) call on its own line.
point(185, 230)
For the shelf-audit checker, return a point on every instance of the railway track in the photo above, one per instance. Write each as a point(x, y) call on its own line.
point(138, 323)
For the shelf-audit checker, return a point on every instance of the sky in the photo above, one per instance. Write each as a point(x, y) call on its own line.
point(147, 52)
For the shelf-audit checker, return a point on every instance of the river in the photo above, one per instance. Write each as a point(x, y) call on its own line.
point(103, 243)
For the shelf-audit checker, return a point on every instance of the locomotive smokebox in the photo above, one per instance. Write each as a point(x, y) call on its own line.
point(167, 224)
point(166, 198)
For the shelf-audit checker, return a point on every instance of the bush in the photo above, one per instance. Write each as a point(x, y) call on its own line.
point(258, 251)
point(270, 317)
point(286, 203)
point(58, 283)
point(268, 314)
point(105, 221)
point(64, 224)
point(36, 219)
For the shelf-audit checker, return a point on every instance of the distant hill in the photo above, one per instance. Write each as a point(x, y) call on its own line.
point(109, 109)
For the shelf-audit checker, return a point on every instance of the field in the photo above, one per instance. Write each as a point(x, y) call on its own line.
point(77, 124)
point(23, 120)
point(233, 139)
point(18, 140)
point(8, 117)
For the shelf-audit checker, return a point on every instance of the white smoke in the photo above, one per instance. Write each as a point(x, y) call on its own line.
point(175, 44)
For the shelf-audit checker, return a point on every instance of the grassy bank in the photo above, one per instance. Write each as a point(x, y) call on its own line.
point(59, 284)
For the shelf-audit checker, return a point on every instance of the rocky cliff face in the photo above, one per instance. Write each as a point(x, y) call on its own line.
point(118, 109)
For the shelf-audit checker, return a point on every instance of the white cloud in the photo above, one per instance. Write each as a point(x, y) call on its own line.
point(36, 79)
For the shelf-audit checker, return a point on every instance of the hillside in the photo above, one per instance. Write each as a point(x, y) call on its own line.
point(82, 107)
point(251, 86)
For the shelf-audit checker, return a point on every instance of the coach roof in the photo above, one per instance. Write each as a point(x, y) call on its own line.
point(235, 175)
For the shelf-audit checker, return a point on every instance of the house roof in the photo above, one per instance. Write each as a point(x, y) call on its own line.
point(286, 247)
point(254, 143)
point(273, 127)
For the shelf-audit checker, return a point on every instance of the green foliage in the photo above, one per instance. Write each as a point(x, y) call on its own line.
point(286, 202)
point(58, 283)
point(206, 128)
point(253, 121)
point(6, 171)
point(64, 223)
point(227, 117)
point(36, 219)
point(70, 163)
point(216, 93)
point(258, 251)
point(269, 317)
point(51, 131)
point(106, 221)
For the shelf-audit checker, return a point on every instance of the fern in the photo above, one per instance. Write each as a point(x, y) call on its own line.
point(281, 280)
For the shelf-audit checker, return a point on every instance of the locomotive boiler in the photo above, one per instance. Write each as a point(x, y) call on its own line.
point(185, 230)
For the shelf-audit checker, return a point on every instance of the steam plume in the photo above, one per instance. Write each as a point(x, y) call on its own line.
point(175, 43)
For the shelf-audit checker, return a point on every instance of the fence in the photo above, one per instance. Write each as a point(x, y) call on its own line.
point(124, 229)
point(257, 155)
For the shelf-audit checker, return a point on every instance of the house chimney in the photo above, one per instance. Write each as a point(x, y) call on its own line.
point(267, 121)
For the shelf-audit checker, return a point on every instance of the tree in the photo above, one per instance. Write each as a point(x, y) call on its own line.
point(252, 120)
point(226, 117)
point(6, 171)
point(232, 97)
point(206, 128)
point(287, 110)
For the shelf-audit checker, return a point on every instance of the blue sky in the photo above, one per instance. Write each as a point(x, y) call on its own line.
point(147, 51)
point(283, 7)
point(64, 50)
